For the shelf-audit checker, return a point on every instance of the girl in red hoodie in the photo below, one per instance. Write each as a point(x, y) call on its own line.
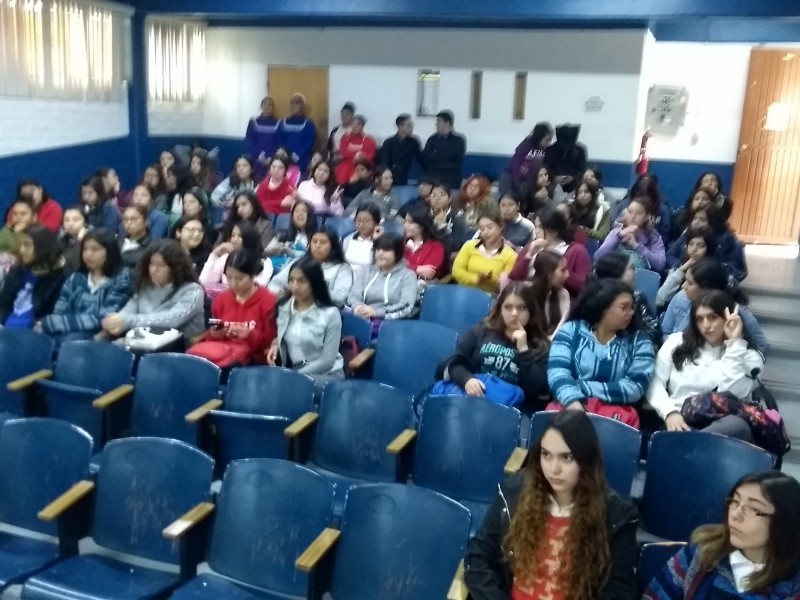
point(244, 315)
point(424, 252)
point(48, 211)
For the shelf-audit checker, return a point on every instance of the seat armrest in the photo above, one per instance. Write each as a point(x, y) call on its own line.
point(201, 411)
point(361, 359)
point(112, 397)
point(188, 520)
point(66, 500)
point(25, 382)
point(458, 589)
point(311, 556)
point(401, 442)
point(301, 424)
point(514, 462)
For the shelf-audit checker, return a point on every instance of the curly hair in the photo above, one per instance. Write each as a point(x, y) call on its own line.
point(484, 191)
point(177, 260)
point(587, 547)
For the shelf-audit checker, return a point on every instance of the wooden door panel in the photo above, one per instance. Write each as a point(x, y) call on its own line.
point(312, 82)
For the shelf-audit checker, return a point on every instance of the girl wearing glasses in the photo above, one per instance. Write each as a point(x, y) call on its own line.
point(753, 555)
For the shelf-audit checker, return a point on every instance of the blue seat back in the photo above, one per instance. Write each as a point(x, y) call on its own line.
point(648, 282)
point(400, 542)
point(592, 246)
point(144, 484)
point(405, 193)
point(22, 352)
point(240, 435)
point(40, 459)
point(463, 445)
point(689, 474)
point(357, 420)
point(408, 352)
point(458, 307)
point(282, 223)
point(268, 512)
point(343, 226)
point(358, 327)
point(168, 387)
point(652, 559)
point(273, 391)
point(393, 227)
point(620, 443)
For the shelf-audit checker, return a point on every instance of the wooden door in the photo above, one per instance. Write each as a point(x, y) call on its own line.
point(766, 183)
point(312, 82)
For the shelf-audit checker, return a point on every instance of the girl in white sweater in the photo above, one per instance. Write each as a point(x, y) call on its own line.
point(710, 355)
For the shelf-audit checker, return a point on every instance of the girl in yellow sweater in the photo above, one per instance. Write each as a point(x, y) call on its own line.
point(480, 262)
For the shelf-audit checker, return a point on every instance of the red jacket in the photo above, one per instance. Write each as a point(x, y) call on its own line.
point(579, 264)
point(49, 215)
point(431, 252)
point(350, 147)
point(271, 199)
point(257, 313)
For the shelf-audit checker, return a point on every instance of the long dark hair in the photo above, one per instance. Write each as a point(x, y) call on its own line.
point(586, 543)
point(540, 131)
point(337, 253)
point(421, 215)
point(233, 178)
point(251, 239)
point(312, 271)
point(96, 183)
point(245, 262)
point(556, 222)
point(704, 233)
point(311, 222)
point(47, 252)
point(174, 256)
point(595, 299)
point(330, 185)
point(782, 560)
point(234, 218)
point(546, 263)
point(699, 182)
point(711, 274)
point(107, 239)
point(647, 185)
point(585, 216)
point(537, 339)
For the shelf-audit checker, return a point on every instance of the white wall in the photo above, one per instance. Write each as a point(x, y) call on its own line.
point(31, 124)
point(377, 69)
point(168, 118)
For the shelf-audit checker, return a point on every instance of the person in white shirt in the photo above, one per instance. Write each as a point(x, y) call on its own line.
point(358, 245)
point(712, 354)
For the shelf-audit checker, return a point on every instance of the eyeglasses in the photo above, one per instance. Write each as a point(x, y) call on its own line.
point(747, 511)
point(193, 230)
point(439, 195)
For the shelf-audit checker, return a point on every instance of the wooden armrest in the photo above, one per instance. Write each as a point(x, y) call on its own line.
point(69, 498)
point(113, 396)
point(301, 424)
point(361, 359)
point(515, 461)
point(202, 410)
point(188, 520)
point(27, 381)
point(398, 444)
point(458, 589)
point(317, 550)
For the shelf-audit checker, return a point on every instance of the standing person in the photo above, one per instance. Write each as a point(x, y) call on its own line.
point(481, 262)
point(263, 136)
point(528, 158)
point(298, 133)
point(338, 132)
point(444, 152)
point(555, 529)
point(48, 211)
point(402, 149)
point(355, 145)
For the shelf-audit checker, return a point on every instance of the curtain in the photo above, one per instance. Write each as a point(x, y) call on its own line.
point(176, 61)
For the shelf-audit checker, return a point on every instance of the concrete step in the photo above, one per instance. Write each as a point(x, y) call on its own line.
point(783, 335)
point(783, 370)
point(776, 307)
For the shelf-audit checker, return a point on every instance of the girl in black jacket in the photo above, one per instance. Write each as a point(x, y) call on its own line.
point(555, 528)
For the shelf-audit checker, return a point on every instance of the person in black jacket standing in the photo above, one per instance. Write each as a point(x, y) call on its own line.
point(555, 529)
point(399, 151)
point(444, 152)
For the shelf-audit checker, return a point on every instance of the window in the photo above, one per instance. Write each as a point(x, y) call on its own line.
point(475, 89)
point(520, 88)
point(428, 93)
point(176, 61)
point(62, 49)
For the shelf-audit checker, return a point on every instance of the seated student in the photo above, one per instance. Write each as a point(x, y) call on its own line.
point(194, 204)
point(293, 243)
point(508, 344)
point(699, 199)
point(578, 234)
point(360, 180)
point(553, 233)
point(101, 286)
point(327, 251)
point(703, 276)
point(245, 312)
point(243, 237)
point(539, 192)
point(425, 186)
point(355, 145)
point(134, 243)
point(676, 250)
point(387, 289)
point(555, 529)
point(293, 170)
point(647, 186)
point(472, 199)
point(21, 218)
point(600, 354)
point(617, 265)
point(48, 211)
point(517, 230)
point(165, 294)
point(480, 262)
point(275, 192)
point(591, 214)
point(309, 326)
point(452, 228)
point(637, 236)
point(699, 244)
point(547, 290)
point(70, 236)
point(729, 251)
point(99, 212)
point(357, 246)
point(380, 194)
point(247, 208)
point(713, 182)
point(30, 289)
point(157, 222)
point(112, 187)
point(711, 355)
point(594, 174)
point(243, 178)
point(191, 235)
point(424, 253)
point(153, 180)
point(321, 191)
point(754, 554)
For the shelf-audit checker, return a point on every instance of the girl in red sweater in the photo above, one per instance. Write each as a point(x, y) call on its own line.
point(48, 211)
point(424, 252)
point(276, 193)
point(245, 314)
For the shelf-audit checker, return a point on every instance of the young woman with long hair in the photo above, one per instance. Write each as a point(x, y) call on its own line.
point(321, 192)
point(591, 214)
point(425, 254)
point(243, 178)
point(555, 529)
point(293, 243)
point(48, 211)
point(381, 194)
point(698, 244)
point(647, 186)
point(191, 234)
point(528, 157)
point(699, 199)
point(473, 198)
point(246, 207)
point(753, 555)
point(275, 192)
point(357, 246)
point(98, 211)
point(481, 262)
point(637, 236)
point(70, 236)
point(244, 236)
point(548, 292)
